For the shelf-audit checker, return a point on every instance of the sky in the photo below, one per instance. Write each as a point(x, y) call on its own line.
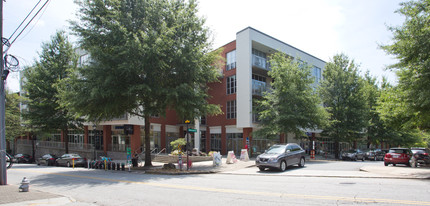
point(322, 28)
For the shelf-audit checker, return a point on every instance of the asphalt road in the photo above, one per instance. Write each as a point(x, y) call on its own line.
point(96, 187)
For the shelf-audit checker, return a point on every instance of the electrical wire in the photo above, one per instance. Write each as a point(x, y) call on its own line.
point(26, 25)
point(24, 19)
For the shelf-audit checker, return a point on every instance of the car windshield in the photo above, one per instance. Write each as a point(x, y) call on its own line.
point(277, 149)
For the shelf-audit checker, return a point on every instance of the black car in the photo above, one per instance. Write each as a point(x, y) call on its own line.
point(280, 156)
point(47, 159)
point(353, 154)
point(421, 155)
point(374, 154)
point(24, 158)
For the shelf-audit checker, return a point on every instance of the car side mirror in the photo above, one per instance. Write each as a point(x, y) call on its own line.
point(288, 150)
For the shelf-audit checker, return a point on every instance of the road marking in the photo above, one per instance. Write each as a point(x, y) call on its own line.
point(243, 192)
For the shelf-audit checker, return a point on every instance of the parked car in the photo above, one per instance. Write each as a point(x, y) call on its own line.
point(280, 156)
point(353, 154)
point(69, 159)
point(421, 155)
point(47, 159)
point(24, 158)
point(374, 154)
point(398, 156)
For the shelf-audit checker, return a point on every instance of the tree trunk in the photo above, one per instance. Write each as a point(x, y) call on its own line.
point(336, 149)
point(66, 140)
point(148, 162)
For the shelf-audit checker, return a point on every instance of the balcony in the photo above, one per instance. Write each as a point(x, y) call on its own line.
point(260, 62)
point(258, 87)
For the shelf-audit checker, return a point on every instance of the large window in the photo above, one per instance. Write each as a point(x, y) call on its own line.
point(215, 142)
point(231, 109)
point(231, 60)
point(231, 84)
point(316, 73)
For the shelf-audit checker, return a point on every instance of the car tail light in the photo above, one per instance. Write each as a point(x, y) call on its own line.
point(388, 155)
point(52, 158)
point(426, 154)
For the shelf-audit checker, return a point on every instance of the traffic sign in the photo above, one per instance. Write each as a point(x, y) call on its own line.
point(192, 130)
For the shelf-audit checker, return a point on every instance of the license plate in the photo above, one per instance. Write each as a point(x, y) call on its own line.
point(396, 156)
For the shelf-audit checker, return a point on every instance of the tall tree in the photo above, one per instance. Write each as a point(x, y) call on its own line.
point(13, 116)
point(41, 86)
point(292, 105)
point(411, 46)
point(146, 56)
point(342, 93)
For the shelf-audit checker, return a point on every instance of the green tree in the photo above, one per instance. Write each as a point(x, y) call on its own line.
point(400, 121)
point(411, 46)
point(342, 93)
point(13, 117)
point(292, 105)
point(44, 110)
point(146, 56)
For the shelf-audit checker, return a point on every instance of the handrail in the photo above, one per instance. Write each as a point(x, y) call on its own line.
point(161, 151)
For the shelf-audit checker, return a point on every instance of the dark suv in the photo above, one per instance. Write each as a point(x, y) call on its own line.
point(280, 156)
point(421, 155)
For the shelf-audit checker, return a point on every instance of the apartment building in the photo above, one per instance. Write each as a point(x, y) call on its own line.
point(244, 79)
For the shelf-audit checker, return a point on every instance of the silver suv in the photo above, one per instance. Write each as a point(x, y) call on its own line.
point(280, 156)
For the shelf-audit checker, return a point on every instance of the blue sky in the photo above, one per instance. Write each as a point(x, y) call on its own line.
point(322, 28)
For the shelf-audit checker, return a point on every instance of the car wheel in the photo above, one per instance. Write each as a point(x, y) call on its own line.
point(355, 158)
point(302, 162)
point(261, 168)
point(283, 166)
point(394, 164)
point(68, 164)
point(386, 163)
point(362, 159)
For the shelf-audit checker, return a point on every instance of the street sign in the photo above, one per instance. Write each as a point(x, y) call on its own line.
point(192, 130)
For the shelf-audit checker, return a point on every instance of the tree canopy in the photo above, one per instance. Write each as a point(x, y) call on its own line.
point(13, 116)
point(41, 86)
point(145, 56)
point(292, 105)
point(343, 96)
point(411, 46)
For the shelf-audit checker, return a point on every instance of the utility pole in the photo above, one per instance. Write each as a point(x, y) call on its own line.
point(3, 176)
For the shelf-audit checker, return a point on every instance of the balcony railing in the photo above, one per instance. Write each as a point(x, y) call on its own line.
point(260, 62)
point(258, 87)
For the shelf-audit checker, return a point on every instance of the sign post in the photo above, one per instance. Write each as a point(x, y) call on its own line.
point(188, 143)
point(129, 158)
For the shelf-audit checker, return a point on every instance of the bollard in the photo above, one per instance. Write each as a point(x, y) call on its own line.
point(122, 166)
point(118, 166)
point(25, 185)
point(113, 166)
point(109, 165)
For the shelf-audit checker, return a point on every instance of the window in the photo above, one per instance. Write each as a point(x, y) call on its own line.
point(231, 60)
point(231, 109)
point(316, 73)
point(231, 84)
point(258, 78)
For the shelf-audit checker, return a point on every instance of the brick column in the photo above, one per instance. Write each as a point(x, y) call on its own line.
point(162, 137)
point(85, 134)
point(223, 141)
point(135, 141)
point(107, 137)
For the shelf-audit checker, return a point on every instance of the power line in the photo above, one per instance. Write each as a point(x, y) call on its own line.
point(26, 25)
point(24, 19)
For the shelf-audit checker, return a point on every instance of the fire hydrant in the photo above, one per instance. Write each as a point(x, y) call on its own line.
point(25, 185)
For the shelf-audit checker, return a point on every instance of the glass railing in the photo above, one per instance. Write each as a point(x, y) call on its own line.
point(260, 62)
point(258, 87)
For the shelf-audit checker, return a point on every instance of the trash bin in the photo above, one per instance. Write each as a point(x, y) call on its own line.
point(134, 162)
